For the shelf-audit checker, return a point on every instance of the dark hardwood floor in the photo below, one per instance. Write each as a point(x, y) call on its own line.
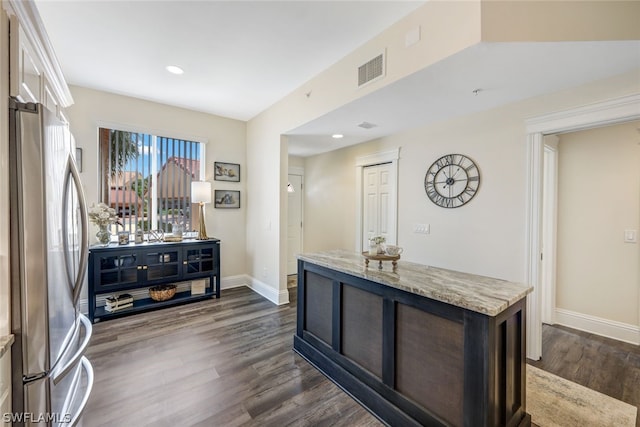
point(229, 362)
point(226, 362)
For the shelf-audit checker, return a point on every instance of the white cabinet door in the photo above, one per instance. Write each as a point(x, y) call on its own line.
point(26, 77)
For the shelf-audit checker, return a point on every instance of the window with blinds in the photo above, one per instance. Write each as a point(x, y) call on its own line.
point(147, 179)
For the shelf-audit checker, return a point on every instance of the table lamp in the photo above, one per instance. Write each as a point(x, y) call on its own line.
point(201, 194)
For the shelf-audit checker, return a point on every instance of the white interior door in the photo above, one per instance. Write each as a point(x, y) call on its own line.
point(378, 193)
point(294, 223)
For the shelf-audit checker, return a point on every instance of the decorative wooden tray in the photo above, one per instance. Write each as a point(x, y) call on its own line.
point(380, 257)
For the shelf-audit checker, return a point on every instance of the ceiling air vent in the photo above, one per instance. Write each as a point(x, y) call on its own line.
point(371, 70)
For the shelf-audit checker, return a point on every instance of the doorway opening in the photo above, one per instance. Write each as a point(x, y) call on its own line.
point(295, 188)
point(596, 115)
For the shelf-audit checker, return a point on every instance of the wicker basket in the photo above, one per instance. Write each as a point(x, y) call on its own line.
point(162, 292)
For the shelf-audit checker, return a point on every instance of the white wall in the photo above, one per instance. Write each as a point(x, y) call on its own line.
point(486, 236)
point(598, 274)
point(225, 142)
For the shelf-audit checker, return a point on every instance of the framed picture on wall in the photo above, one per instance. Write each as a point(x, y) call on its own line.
point(226, 172)
point(227, 199)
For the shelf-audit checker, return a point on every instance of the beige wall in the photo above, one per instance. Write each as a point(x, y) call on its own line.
point(455, 25)
point(560, 20)
point(486, 236)
point(295, 161)
point(598, 274)
point(225, 142)
point(446, 27)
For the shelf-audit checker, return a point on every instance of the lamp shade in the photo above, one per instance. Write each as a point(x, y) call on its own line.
point(200, 192)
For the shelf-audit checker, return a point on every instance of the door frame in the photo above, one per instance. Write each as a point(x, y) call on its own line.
point(549, 229)
point(618, 110)
point(392, 157)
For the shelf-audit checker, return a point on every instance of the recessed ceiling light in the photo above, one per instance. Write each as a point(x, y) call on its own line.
point(337, 136)
point(174, 69)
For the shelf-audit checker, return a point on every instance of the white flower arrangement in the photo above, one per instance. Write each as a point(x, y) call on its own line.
point(377, 240)
point(102, 215)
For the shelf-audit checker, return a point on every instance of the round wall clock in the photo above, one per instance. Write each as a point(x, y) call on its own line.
point(452, 181)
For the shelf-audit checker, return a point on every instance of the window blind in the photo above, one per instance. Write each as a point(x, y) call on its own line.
point(147, 179)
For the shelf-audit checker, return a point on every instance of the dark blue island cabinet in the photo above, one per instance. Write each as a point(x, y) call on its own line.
point(418, 345)
point(134, 268)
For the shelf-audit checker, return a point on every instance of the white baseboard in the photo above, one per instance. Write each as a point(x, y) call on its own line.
point(596, 325)
point(278, 297)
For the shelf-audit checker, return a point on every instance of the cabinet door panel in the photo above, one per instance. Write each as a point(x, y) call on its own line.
point(199, 261)
point(207, 265)
point(162, 265)
point(25, 78)
point(116, 270)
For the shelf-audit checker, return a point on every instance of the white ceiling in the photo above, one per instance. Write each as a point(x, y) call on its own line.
point(240, 57)
point(504, 73)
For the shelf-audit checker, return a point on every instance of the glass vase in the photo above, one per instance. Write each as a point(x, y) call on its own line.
point(103, 235)
point(373, 248)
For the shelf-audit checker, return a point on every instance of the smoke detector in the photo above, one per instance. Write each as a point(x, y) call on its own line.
point(366, 125)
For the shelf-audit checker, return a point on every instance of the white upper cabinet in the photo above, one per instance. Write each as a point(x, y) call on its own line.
point(34, 72)
point(25, 77)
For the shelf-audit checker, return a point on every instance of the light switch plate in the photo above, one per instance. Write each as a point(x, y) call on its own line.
point(631, 236)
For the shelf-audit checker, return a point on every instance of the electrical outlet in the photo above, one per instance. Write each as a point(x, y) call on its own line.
point(421, 228)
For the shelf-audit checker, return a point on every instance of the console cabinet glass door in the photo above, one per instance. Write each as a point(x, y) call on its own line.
point(116, 269)
point(161, 265)
point(199, 260)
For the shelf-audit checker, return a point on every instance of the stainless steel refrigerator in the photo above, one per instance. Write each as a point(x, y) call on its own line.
point(52, 379)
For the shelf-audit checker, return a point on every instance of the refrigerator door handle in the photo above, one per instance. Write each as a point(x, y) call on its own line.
point(86, 365)
point(58, 374)
point(72, 172)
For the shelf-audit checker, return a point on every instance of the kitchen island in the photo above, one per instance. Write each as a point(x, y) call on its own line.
point(417, 345)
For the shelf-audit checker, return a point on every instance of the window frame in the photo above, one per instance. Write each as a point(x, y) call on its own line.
point(103, 181)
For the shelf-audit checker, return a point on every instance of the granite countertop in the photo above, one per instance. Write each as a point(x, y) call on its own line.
point(5, 344)
point(476, 293)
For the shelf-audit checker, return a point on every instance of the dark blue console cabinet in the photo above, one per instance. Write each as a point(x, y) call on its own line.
point(133, 268)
